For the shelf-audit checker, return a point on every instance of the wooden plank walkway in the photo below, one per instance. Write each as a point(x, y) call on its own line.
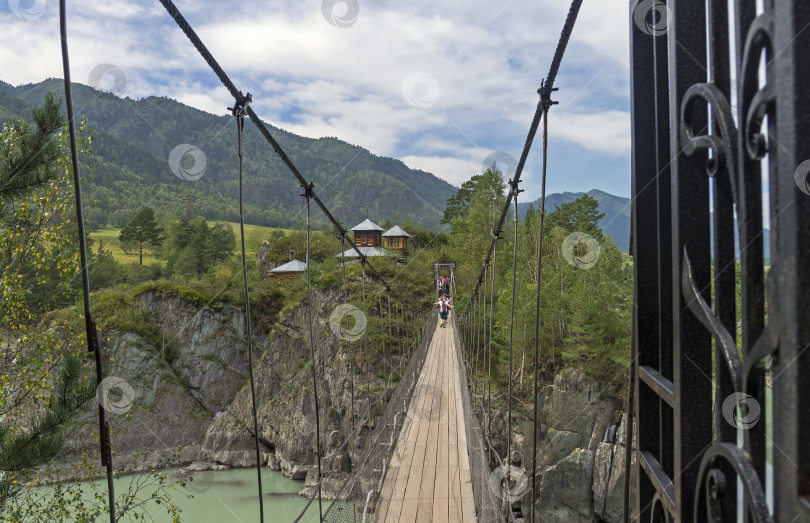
point(429, 478)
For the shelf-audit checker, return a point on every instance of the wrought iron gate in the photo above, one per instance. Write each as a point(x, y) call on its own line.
point(721, 121)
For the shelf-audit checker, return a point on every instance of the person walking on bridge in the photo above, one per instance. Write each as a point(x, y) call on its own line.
point(444, 306)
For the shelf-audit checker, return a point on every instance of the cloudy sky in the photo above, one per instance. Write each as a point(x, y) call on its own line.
point(439, 85)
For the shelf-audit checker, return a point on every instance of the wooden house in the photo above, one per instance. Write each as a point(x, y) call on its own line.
point(367, 234)
point(396, 240)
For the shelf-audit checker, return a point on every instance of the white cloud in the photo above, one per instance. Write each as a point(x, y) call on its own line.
point(315, 79)
point(454, 170)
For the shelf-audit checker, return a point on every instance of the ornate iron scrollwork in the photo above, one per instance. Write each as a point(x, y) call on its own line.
point(715, 482)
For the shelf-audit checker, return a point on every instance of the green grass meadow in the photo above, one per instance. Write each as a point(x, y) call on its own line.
point(254, 235)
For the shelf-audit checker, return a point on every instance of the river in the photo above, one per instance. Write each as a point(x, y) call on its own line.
point(232, 496)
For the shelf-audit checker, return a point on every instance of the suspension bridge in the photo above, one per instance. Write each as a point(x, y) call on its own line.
point(430, 457)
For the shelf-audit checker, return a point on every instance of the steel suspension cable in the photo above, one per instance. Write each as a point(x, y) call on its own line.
point(192, 36)
point(491, 313)
point(545, 91)
point(382, 334)
point(238, 111)
point(391, 335)
point(105, 447)
point(484, 323)
point(515, 191)
point(307, 196)
point(365, 341)
point(346, 315)
point(541, 217)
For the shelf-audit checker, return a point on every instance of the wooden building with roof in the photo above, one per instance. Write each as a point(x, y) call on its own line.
point(288, 271)
point(368, 239)
point(396, 240)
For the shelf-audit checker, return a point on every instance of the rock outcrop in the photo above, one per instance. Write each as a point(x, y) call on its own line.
point(581, 451)
point(189, 395)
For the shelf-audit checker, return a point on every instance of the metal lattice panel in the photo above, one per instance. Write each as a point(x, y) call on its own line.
point(704, 155)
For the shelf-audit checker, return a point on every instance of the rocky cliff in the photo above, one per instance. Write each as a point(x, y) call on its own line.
point(581, 450)
point(190, 401)
point(189, 395)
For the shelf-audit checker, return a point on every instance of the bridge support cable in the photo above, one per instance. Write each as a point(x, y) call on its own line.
point(308, 196)
point(238, 111)
point(480, 450)
point(93, 345)
point(515, 192)
point(541, 216)
point(491, 314)
point(365, 339)
point(342, 237)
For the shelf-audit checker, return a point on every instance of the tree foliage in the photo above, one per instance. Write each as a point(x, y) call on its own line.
point(585, 311)
point(29, 155)
point(142, 231)
point(45, 378)
point(193, 247)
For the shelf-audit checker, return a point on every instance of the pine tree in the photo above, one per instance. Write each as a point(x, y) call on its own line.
point(29, 156)
point(142, 230)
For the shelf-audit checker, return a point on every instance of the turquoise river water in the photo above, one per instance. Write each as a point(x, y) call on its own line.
point(232, 496)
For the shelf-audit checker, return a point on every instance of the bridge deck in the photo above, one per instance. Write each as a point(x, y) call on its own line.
point(429, 478)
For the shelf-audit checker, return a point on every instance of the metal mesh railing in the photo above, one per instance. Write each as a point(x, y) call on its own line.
point(357, 499)
point(489, 506)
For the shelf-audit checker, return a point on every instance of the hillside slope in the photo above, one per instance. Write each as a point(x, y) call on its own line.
point(135, 138)
point(615, 223)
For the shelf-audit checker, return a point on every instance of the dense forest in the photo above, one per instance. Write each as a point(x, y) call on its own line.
point(133, 165)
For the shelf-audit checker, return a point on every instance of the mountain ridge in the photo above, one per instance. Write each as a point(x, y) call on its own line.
point(135, 137)
point(615, 223)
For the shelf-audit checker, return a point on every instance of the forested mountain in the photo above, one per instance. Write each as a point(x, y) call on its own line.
point(134, 140)
point(615, 223)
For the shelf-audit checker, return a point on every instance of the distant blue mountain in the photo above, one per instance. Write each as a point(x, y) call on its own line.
point(616, 222)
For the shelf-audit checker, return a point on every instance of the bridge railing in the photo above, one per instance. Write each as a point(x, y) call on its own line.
point(489, 504)
point(359, 496)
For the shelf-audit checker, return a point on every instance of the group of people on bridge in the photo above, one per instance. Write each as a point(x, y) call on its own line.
point(445, 303)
